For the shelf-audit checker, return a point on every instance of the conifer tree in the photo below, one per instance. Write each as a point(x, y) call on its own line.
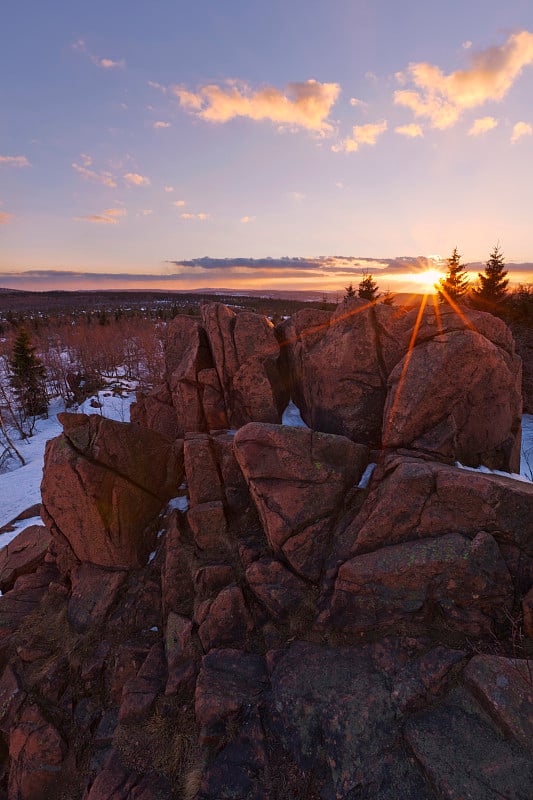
point(493, 283)
point(350, 292)
point(28, 377)
point(368, 288)
point(455, 284)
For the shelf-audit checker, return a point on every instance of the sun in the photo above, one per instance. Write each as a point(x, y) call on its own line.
point(427, 280)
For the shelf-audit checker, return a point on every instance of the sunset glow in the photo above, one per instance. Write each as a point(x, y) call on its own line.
point(186, 145)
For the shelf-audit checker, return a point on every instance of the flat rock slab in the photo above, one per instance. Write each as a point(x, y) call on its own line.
point(23, 554)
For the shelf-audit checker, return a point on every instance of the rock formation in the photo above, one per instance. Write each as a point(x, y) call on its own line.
point(239, 616)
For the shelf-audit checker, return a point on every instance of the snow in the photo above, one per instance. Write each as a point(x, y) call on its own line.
point(178, 504)
point(526, 456)
point(292, 416)
point(18, 527)
point(21, 488)
point(365, 477)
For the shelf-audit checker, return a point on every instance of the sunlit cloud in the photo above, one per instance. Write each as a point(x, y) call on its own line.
point(108, 63)
point(339, 185)
point(201, 216)
point(362, 134)
point(412, 131)
point(80, 45)
point(105, 178)
point(86, 160)
point(110, 216)
point(14, 161)
point(354, 101)
point(247, 219)
point(179, 203)
point(169, 189)
point(6, 218)
point(115, 212)
point(145, 212)
point(519, 130)
point(482, 125)
point(305, 105)
point(160, 124)
point(134, 179)
point(467, 45)
point(443, 98)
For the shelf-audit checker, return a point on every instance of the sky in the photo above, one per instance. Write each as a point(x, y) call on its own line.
point(278, 145)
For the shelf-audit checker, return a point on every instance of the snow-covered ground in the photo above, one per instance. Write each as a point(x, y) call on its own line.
point(20, 488)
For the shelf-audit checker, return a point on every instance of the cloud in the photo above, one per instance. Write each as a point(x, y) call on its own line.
point(6, 218)
point(355, 102)
point(15, 161)
point(104, 178)
point(86, 160)
point(482, 125)
point(519, 130)
point(169, 188)
point(443, 98)
point(247, 219)
point(200, 216)
point(412, 131)
point(108, 63)
point(305, 105)
point(467, 45)
point(110, 216)
point(79, 45)
point(160, 124)
point(155, 85)
point(145, 212)
point(135, 179)
point(179, 203)
point(297, 196)
point(362, 134)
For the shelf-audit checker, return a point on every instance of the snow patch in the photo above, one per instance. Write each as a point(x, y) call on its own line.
point(178, 504)
point(365, 477)
point(291, 416)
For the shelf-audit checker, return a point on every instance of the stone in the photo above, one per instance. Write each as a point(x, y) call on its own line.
point(156, 412)
point(12, 697)
point(139, 693)
point(94, 591)
point(298, 479)
point(448, 581)
point(228, 621)
point(280, 591)
point(177, 588)
point(208, 524)
point(23, 555)
point(527, 610)
point(203, 477)
point(37, 751)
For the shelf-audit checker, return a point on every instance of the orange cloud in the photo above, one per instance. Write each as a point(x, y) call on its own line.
point(247, 219)
point(306, 105)
point(179, 203)
point(90, 175)
point(15, 161)
point(108, 63)
point(6, 218)
point(160, 124)
point(109, 217)
point(362, 134)
point(200, 216)
point(442, 98)
point(519, 130)
point(412, 131)
point(482, 126)
point(135, 179)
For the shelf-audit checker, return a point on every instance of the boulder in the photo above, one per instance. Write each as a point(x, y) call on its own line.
point(103, 483)
point(156, 412)
point(23, 554)
point(94, 591)
point(227, 621)
point(280, 591)
point(37, 751)
point(298, 479)
point(448, 581)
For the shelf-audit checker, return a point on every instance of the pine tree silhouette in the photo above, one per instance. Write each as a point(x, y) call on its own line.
point(28, 377)
point(455, 284)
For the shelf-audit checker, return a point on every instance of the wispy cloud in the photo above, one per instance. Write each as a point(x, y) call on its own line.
point(108, 63)
point(134, 179)
point(201, 216)
point(105, 178)
point(179, 203)
point(411, 131)
point(160, 124)
point(14, 161)
point(247, 219)
point(297, 196)
point(6, 218)
point(521, 129)
point(304, 105)
point(482, 125)
point(169, 189)
point(362, 134)
point(110, 216)
point(145, 212)
point(354, 101)
point(442, 98)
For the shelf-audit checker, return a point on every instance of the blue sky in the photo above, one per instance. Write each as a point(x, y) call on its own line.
point(136, 136)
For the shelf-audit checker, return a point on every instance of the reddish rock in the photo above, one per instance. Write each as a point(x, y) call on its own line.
point(118, 782)
point(208, 524)
point(281, 592)
point(448, 581)
point(212, 399)
point(203, 477)
point(227, 622)
point(186, 354)
point(11, 697)
point(123, 668)
point(139, 693)
point(104, 481)
point(458, 396)
point(176, 581)
point(235, 488)
point(422, 680)
point(37, 751)
point(212, 578)
point(26, 595)
point(413, 499)
point(23, 555)
point(182, 653)
point(298, 479)
point(504, 688)
point(156, 412)
point(94, 591)
point(527, 610)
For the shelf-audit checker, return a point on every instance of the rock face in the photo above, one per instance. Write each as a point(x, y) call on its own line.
point(120, 477)
point(283, 630)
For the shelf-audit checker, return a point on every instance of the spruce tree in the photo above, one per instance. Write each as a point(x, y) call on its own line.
point(350, 292)
point(492, 289)
point(455, 284)
point(368, 288)
point(28, 377)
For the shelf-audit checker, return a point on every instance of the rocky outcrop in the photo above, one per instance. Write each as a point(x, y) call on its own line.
point(119, 478)
point(283, 629)
point(23, 555)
